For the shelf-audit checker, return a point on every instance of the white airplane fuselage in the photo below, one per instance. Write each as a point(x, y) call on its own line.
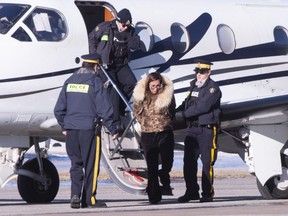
point(246, 40)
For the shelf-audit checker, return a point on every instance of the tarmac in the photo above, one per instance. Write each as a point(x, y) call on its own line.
point(233, 196)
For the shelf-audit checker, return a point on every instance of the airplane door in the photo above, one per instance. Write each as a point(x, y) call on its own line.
point(94, 13)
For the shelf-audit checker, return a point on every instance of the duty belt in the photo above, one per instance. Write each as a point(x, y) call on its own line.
point(196, 124)
point(192, 124)
point(119, 61)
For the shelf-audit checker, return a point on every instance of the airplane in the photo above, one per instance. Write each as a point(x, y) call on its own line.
point(41, 44)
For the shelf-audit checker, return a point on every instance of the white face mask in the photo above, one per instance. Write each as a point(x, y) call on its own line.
point(200, 83)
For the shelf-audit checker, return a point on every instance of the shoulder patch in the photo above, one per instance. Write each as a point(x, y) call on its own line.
point(212, 90)
point(97, 28)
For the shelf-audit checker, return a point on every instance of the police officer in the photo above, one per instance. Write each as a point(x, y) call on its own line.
point(201, 110)
point(114, 40)
point(81, 100)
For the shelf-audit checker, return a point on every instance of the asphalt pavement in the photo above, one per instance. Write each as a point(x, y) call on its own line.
point(234, 196)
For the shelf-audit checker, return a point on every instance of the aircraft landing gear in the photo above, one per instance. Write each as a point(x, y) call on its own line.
point(31, 189)
point(277, 186)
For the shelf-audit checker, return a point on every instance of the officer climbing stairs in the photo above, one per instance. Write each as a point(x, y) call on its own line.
point(123, 158)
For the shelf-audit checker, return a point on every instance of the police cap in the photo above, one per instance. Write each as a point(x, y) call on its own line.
point(124, 17)
point(202, 66)
point(91, 58)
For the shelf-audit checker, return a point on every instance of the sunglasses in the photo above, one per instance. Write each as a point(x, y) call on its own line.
point(201, 71)
point(156, 86)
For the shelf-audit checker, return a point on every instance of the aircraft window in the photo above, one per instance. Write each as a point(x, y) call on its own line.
point(10, 14)
point(180, 37)
point(46, 25)
point(226, 39)
point(21, 35)
point(280, 36)
point(146, 35)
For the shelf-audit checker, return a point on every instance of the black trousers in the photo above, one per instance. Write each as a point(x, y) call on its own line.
point(85, 163)
point(200, 141)
point(125, 81)
point(155, 145)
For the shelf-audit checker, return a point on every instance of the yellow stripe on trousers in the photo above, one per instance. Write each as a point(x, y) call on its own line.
point(214, 147)
point(96, 170)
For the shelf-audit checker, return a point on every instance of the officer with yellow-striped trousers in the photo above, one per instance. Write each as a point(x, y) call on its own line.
point(201, 110)
point(82, 100)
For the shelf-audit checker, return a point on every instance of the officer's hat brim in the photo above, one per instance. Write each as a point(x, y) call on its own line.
point(91, 58)
point(202, 65)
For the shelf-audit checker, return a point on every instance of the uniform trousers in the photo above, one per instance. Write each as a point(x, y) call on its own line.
point(200, 141)
point(155, 145)
point(125, 81)
point(85, 163)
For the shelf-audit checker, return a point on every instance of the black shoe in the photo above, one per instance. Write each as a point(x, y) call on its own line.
point(75, 202)
point(187, 197)
point(98, 205)
point(154, 201)
point(166, 191)
point(206, 199)
point(84, 205)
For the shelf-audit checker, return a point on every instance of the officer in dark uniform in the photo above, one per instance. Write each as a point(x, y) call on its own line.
point(201, 110)
point(82, 100)
point(114, 40)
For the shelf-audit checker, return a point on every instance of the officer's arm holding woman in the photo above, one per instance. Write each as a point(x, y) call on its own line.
point(205, 104)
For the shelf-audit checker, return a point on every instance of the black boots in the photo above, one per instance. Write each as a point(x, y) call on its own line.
point(166, 190)
point(194, 196)
point(75, 202)
point(188, 196)
point(206, 199)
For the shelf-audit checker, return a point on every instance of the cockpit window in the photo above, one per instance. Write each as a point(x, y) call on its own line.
point(9, 15)
point(21, 35)
point(46, 24)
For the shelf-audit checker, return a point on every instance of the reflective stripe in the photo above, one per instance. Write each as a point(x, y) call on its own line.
point(96, 169)
point(104, 38)
point(213, 151)
point(82, 88)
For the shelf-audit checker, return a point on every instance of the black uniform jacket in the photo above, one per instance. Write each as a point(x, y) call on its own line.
point(81, 100)
point(107, 41)
point(202, 105)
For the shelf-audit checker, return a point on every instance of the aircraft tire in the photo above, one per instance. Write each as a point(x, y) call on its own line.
point(33, 191)
point(275, 188)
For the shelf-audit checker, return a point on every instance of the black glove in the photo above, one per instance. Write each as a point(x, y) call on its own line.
point(179, 115)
